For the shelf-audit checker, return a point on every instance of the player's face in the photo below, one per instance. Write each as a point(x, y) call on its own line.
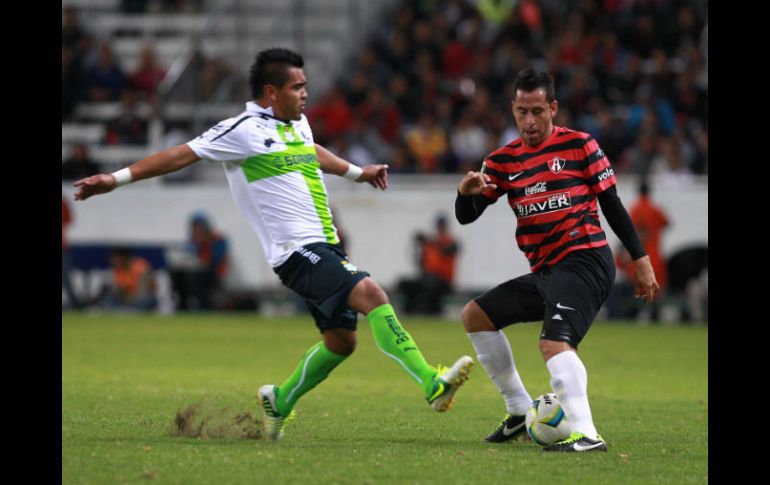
point(534, 115)
point(289, 99)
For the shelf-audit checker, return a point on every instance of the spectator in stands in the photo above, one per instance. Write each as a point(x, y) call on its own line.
point(638, 158)
point(133, 283)
point(670, 162)
point(66, 261)
point(79, 164)
point(331, 116)
point(72, 83)
point(196, 286)
point(148, 74)
point(379, 112)
point(401, 160)
point(128, 128)
point(74, 38)
point(105, 80)
point(427, 143)
point(469, 141)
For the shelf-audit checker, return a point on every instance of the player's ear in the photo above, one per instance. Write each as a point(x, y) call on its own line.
point(554, 108)
point(269, 91)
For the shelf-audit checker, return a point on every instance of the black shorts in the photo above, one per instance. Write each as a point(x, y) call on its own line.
point(566, 296)
point(321, 274)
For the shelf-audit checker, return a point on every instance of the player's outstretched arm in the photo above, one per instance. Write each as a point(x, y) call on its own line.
point(375, 174)
point(160, 163)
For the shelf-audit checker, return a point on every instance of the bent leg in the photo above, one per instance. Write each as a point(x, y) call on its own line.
point(494, 352)
point(315, 366)
point(393, 340)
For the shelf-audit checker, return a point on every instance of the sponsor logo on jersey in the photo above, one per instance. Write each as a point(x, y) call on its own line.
point(538, 188)
point(543, 205)
point(292, 160)
point(349, 266)
point(606, 173)
point(556, 164)
point(313, 257)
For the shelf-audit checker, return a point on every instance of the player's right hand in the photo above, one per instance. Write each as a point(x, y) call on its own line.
point(475, 183)
point(93, 185)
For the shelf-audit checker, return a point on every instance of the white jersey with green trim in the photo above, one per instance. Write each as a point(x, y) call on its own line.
point(275, 178)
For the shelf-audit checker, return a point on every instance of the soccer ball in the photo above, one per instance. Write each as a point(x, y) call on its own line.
point(545, 420)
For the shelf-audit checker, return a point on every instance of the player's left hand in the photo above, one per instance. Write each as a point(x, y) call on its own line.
point(646, 285)
point(376, 175)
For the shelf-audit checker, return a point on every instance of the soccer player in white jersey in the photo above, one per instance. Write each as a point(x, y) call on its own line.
point(274, 170)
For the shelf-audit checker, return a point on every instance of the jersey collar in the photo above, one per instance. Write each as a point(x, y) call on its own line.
point(253, 108)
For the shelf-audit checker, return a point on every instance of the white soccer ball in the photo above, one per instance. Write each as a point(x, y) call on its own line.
point(545, 420)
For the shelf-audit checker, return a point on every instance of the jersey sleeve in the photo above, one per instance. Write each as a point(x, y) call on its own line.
point(224, 142)
point(597, 168)
point(489, 167)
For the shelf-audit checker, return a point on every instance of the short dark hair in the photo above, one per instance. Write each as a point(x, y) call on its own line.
point(644, 187)
point(529, 80)
point(270, 67)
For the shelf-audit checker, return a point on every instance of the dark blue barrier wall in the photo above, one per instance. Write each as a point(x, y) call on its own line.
point(97, 256)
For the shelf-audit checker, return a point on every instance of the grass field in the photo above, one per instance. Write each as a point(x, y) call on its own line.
point(124, 379)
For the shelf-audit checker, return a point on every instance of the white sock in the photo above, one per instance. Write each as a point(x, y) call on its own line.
point(570, 383)
point(494, 353)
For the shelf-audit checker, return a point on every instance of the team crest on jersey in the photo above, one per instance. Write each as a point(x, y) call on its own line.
point(556, 164)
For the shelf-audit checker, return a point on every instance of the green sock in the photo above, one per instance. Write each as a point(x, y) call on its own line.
point(397, 344)
point(314, 367)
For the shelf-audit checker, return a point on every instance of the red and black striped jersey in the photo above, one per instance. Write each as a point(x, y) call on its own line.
point(552, 189)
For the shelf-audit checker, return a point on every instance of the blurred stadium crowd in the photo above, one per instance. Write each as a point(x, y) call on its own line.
point(430, 89)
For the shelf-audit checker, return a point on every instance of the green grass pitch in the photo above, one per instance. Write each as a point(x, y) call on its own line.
point(125, 377)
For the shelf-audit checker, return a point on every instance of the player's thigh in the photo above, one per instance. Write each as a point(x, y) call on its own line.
point(574, 292)
point(517, 300)
point(321, 274)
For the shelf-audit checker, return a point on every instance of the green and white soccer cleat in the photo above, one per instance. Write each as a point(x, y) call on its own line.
point(273, 422)
point(448, 380)
point(578, 442)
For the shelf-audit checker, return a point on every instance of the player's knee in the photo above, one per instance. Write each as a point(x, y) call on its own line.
point(341, 343)
point(347, 347)
point(475, 320)
point(550, 348)
point(367, 295)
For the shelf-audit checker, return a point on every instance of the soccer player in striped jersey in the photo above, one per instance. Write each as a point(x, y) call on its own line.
point(274, 170)
point(552, 178)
